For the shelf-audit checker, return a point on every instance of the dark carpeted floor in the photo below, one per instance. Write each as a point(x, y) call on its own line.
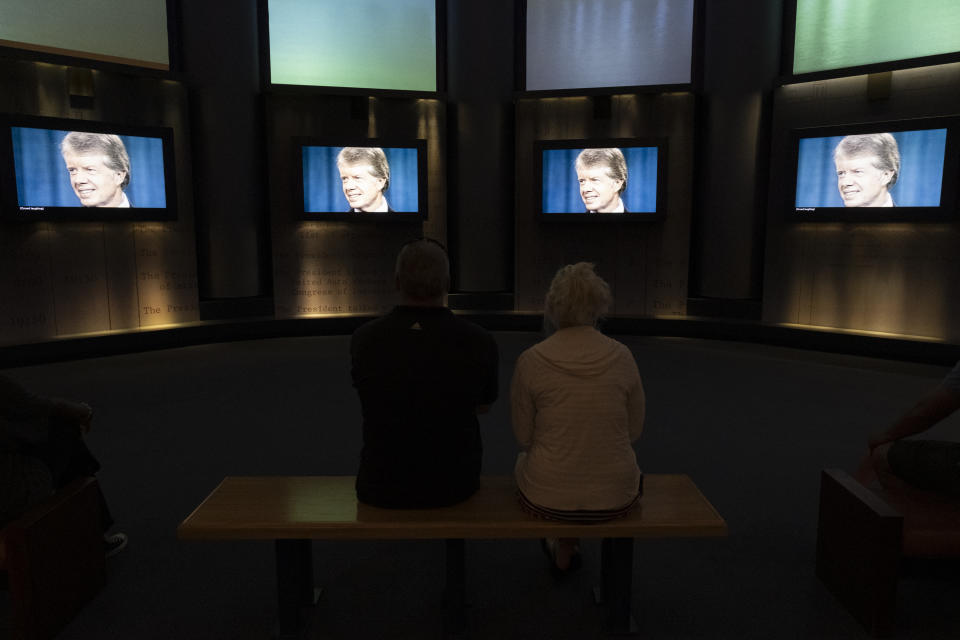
point(752, 425)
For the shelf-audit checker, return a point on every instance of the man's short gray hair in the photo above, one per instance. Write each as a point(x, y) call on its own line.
point(882, 146)
point(577, 296)
point(85, 143)
point(610, 158)
point(373, 156)
point(423, 269)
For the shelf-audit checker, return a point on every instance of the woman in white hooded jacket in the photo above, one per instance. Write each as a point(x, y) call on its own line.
point(577, 405)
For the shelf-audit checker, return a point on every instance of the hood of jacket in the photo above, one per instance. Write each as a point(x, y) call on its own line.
point(579, 351)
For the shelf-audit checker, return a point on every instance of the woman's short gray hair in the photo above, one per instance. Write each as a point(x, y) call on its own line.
point(577, 296)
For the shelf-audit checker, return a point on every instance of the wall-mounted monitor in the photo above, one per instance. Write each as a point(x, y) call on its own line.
point(355, 46)
point(903, 171)
point(606, 180)
point(577, 46)
point(56, 169)
point(129, 32)
point(363, 180)
point(828, 38)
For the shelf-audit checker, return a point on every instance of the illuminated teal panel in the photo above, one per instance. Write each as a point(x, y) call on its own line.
point(369, 44)
point(833, 34)
point(128, 31)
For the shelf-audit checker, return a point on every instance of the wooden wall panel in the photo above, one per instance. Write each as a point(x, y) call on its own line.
point(79, 279)
point(330, 268)
point(61, 279)
point(646, 264)
point(27, 311)
point(888, 278)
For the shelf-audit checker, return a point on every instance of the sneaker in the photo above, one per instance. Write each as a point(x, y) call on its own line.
point(114, 544)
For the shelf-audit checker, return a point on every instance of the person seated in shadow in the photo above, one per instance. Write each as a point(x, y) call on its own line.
point(41, 450)
point(577, 405)
point(919, 468)
point(422, 375)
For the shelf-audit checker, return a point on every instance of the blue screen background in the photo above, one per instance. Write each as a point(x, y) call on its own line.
point(43, 181)
point(321, 180)
point(561, 192)
point(921, 170)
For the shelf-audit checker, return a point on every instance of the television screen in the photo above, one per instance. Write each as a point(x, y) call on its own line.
point(839, 34)
point(130, 32)
point(382, 182)
point(612, 180)
point(362, 44)
point(584, 44)
point(882, 171)
point(77, 170)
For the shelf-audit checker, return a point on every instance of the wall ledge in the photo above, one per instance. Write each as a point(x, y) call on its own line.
point(890, 347)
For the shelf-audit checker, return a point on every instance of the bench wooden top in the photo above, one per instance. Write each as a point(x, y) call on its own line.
point(326, 507)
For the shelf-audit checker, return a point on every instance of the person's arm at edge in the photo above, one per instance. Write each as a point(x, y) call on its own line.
point(17, 404)
point(21, 405)
point(79, 413)
point(931, 409)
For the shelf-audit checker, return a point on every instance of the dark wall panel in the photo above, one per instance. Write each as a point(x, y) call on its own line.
point(221, 70)
point(741, 48)
point(480, 94)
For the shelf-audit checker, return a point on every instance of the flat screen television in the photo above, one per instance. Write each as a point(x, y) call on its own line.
point(365, 180)
point(360, 46)
point(832, 38)
point(57, 169)
point(902, 171)
point(606, 180)
point(573, 47)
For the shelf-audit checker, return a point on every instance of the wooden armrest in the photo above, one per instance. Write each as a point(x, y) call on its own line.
point(55, 559)
point(859, 541)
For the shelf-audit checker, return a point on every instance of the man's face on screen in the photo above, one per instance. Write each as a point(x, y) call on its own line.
point(600, 192)
point(860, 182)
point(361, 188)
point(95, 184)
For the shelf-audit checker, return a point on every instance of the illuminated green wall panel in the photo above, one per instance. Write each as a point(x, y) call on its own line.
point(369, 44)
point(127, 31)
point(833, 34)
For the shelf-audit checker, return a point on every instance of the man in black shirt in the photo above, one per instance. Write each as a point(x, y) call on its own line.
point(422, 375)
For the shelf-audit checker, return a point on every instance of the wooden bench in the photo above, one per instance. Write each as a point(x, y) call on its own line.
point(54, 560)
point(863, 534)
point(295, 510)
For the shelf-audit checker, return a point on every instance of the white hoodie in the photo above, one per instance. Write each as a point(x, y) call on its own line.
point(577, 404)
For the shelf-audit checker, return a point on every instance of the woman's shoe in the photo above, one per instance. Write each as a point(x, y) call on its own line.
point(114, 544)
point(549, 546)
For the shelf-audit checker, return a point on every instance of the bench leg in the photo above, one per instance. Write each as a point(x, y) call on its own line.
point(294, 586)
point(454, 595)
point(615, 591)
